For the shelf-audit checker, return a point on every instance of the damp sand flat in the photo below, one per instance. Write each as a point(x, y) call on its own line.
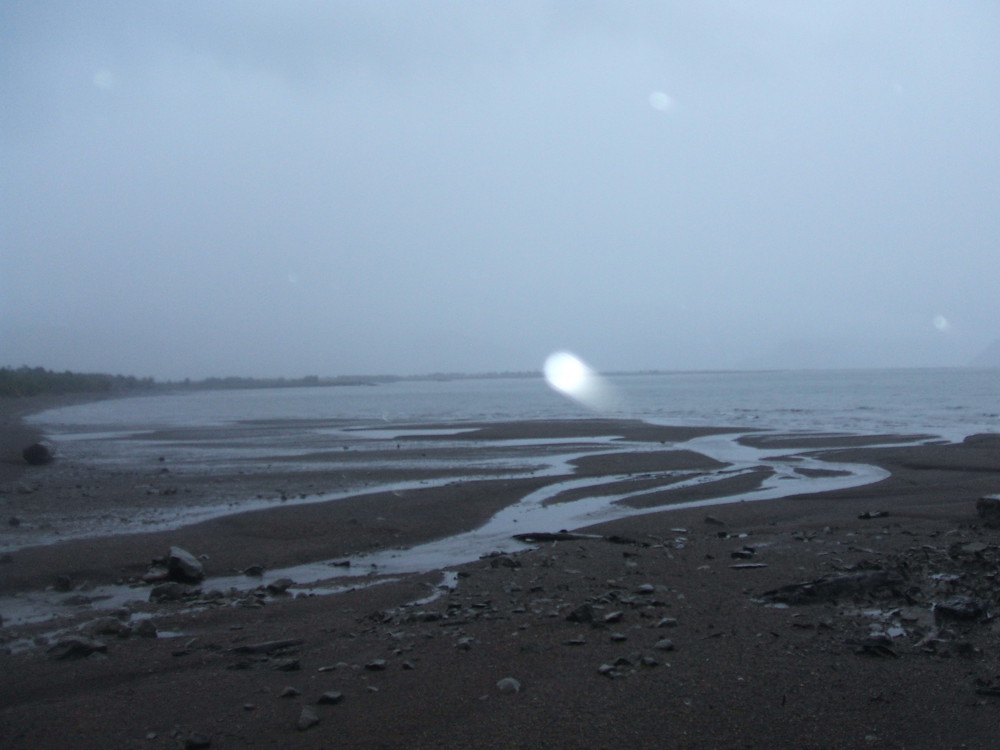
point(498, 621)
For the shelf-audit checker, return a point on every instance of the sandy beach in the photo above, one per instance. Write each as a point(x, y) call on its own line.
point(675, 628)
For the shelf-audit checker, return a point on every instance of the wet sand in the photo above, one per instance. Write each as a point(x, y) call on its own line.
point(579, 624)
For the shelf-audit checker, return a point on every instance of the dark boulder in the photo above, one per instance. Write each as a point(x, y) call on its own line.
point(183, 566)
point(39, 453)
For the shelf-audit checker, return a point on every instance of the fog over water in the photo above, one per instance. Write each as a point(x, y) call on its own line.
point(285, 188)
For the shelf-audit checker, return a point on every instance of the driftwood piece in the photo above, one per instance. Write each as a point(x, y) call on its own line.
point(833, 587)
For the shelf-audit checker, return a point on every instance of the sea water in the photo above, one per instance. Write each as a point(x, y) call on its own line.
point(951, 403)
point(941, 404)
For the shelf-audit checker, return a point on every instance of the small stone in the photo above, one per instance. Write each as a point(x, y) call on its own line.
point(307, 719)
point(664, 644)
point(39, 454)
point(184, 566)
point(667, 622)
point(331, 698)
point(376, 665)
point(171, 591)
point(646, 588)
point(197, 741)
point(280, 586)
point(289, 692)
point(286, 665)
point(145, 629)
point(75, 648)
point(509, 685)
point(107, 626)
point(615, 616)
point(988, 508)
point(254, 571)
point(619, 637)
point(583, 613)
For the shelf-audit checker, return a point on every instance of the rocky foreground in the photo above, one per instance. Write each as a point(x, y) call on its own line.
point(858, 618)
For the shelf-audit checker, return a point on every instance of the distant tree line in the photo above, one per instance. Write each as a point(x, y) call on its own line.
point(34, 381)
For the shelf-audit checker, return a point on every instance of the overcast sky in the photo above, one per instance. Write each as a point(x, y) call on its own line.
point(286, 187)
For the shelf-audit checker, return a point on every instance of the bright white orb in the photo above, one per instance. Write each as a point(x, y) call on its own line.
point(941, 323)
point(661, 101)
point(567, 373)
point(571, 376)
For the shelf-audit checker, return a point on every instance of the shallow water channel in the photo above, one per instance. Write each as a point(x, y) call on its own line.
point(786, 473)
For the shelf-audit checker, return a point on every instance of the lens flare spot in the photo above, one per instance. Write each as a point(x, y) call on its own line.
point(571, 376)
point(104, 80)
point(567, 373)
point(661, 101)
point(941, 323)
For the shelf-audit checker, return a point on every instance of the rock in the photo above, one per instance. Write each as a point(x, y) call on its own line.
point(75, 648)
point(280, 586)
point(961, 608)
point(156, 574)
point(289, 692)
point(63, 583)
point(868, 515)
point(307, 719)
point(266, 647)
point(331, 698)
point(584, 613)
point(551, 536)
point(254, 571)
point(108, 626)
point(988, 508)
point(39, 454)
point(145, 629)
point(664, 644)
point(376, 665)
point(197, 741)
point(713, 521)
point(645, 589)
point(509, 685)
point(504, 561)
point(615, 616)
point(667, 622)
point(13, 522)
point(171, 591)
point(286, 665)
point(184, 566)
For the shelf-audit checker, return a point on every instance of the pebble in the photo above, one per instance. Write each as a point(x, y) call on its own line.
point(197, 741)
point(664, 644)
point(331, 698)
point(289, 692)
point(307, 719)
point(509, 685)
